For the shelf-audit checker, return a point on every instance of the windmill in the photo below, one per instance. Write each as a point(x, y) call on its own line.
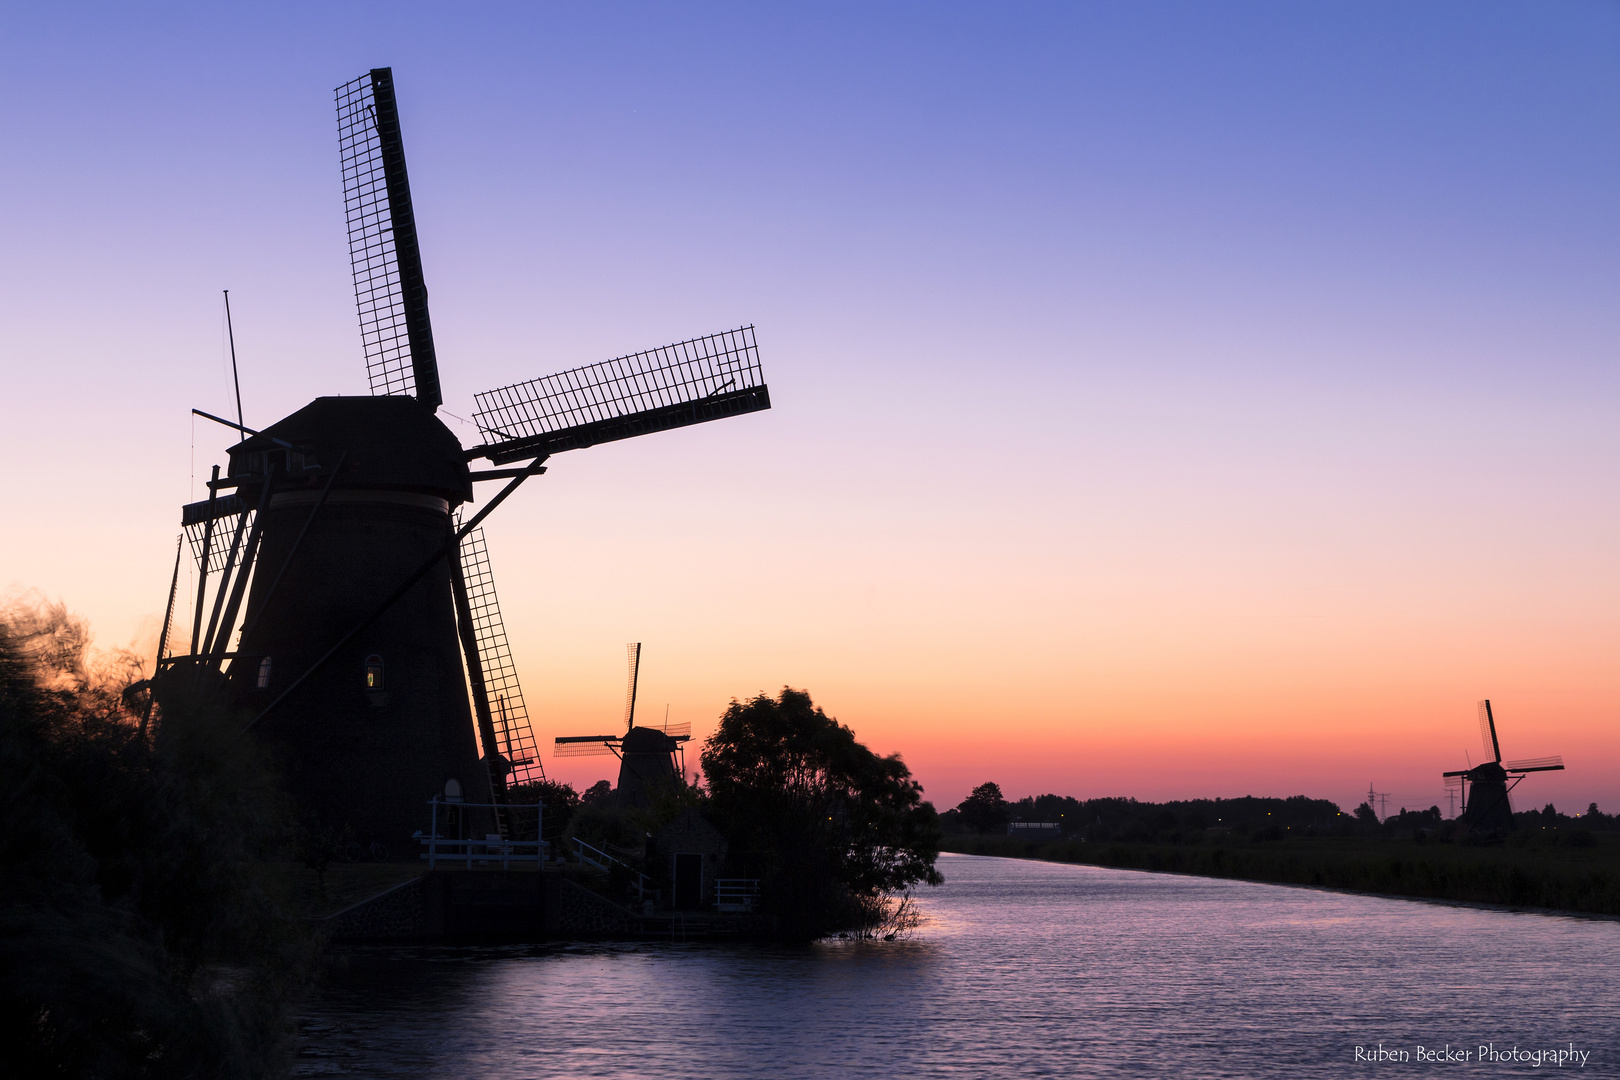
point(1485, 796)
point(647, 755)
point(372, 610)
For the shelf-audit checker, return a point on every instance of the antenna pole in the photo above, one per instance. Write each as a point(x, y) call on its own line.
point(235, 380)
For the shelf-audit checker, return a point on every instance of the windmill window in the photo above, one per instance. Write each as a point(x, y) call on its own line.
point(374, 672)
point(264, 673)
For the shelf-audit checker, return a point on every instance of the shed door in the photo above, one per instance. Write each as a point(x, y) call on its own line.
point(688, 882)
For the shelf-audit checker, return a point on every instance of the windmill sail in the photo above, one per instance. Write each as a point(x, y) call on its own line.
point(689, 382)
point(1540, 764)
point(194, 518)
point(1487, 731)
point(633, 654)
point(514, 736)
point(388, 284)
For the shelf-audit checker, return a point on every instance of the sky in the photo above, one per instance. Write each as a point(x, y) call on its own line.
point(1169, 400)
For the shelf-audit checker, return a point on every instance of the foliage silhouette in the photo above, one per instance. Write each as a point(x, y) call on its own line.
point(137, 937)
point(984, 810)
point(833, 830)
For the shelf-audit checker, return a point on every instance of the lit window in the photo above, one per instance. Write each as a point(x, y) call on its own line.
point(374, 672)
point(264, 673)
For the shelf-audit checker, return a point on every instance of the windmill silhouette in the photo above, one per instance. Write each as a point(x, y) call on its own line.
point(372, 610)
point(1485, 786)
point(650, 759)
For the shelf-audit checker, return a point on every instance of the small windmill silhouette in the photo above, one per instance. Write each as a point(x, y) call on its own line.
point(647, 756)
point(1485, 786)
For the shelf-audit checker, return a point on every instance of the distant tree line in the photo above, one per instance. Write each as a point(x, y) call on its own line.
point(1191, 821)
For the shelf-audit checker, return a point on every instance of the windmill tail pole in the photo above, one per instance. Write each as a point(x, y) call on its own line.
point(449, 549)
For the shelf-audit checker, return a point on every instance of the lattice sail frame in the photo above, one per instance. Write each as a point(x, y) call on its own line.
point(507, 709)
point(388, 286)
point(689, 382)
point(226, 510)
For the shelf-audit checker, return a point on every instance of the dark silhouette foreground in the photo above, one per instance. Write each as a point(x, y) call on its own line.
point(136, 937)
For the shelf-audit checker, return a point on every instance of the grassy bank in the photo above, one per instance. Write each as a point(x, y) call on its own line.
point(1565, 879)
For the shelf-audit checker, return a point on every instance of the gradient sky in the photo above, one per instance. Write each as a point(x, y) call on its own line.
point(1171, 400)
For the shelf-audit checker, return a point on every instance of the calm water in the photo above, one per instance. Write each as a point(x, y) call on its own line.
point(1024, 969)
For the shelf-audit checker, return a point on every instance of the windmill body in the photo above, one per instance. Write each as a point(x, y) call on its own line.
point(370, 651)
point(385, 723)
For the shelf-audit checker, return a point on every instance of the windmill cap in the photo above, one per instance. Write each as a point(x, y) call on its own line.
point(393, 443)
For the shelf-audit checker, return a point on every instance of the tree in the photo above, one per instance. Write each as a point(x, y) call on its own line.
point(984, 810)
point(834, 830)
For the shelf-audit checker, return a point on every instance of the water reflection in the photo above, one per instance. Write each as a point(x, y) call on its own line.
point(1023, 969)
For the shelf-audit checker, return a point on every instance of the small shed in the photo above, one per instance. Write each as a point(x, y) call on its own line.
point(691, 852)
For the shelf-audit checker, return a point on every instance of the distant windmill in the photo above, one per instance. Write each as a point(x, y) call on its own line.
point(1485, 797)
point(372, 610)
point(647, 756)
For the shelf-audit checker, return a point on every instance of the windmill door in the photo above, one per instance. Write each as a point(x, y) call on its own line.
point(688, 882)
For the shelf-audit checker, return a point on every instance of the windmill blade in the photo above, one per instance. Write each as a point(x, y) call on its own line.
point(1487, 731)
point(1453, 780)
point(194, 518)
point(633, 652)
point(690, 382)
point(1540, 764)
point(388, 286)
point(509, 716)
point(585, 746)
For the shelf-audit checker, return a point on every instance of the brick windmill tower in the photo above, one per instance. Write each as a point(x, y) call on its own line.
point(371, 651)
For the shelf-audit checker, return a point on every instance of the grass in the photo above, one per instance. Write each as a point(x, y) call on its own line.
point(1560, 878)
point(346, 884)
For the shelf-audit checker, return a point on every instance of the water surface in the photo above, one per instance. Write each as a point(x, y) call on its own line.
point(1023, 969)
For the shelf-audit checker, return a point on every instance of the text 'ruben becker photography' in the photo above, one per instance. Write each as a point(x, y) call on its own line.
point(1485, 1052)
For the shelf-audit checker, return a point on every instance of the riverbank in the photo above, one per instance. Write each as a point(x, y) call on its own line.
point(1585, 880)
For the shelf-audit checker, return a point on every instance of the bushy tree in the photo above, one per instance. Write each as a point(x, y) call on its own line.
point(984, 810)
point(834, 830)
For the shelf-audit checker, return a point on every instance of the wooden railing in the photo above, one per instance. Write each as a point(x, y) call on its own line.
point(736, 894)
point(490, 849)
